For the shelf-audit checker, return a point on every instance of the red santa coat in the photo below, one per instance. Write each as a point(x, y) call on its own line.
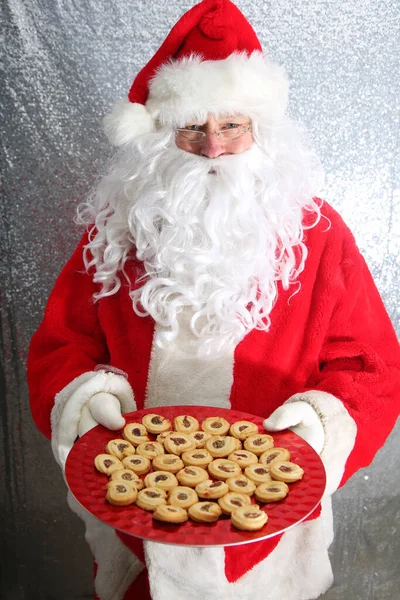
point(331, 344)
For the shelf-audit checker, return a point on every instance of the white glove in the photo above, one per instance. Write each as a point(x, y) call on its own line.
point(301, 418)
point(102, 409)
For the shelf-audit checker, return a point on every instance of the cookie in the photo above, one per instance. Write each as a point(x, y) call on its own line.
point(186, 424)
point(107, 463)
point(286, 471)
point(135, 433)
point(220, 447)
point(182, 496)
point(168, 462)
point(199, 438)
point(241, 484)
point(161, 437)
point(221, 468)
point(156, 423)
point(272, 491)
point(243, 429)
point(150, 449)
point(258, 473)
point(170, 514)
point(243, 458)
point(128, 476)
point(215, 426)
point(199, 458)
point(121, 493)
point(138, 464)
point(273, 454)
point(211, 490)
point(233, 500)
point(205, 512)
point(249, 518)
point(191, 476)
point(177, 442)
point(120, 448)
point(258, 443)
point(161, 479)
point(150, 498)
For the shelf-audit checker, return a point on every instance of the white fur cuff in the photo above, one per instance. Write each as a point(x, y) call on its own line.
point(67, 409)
point(340, 433)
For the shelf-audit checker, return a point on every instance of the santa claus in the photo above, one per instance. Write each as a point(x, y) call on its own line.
point(211, 274)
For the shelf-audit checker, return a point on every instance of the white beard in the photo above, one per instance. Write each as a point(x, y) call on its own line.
point(209, 244)
point(215, 236)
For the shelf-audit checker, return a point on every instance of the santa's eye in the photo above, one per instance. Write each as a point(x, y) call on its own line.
point(193, 127)
point(230, 126)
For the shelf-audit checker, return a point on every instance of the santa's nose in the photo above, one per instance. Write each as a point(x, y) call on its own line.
point(211, 146)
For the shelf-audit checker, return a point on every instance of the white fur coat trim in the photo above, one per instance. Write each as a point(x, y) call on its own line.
point(66, 413)
point(340, 433)
point(117, 566)
point(177, 377)
point(298, 568)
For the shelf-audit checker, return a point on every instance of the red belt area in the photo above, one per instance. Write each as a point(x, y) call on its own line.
point(238, 559)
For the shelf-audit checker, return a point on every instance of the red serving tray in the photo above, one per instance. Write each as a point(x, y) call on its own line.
point(88, 486)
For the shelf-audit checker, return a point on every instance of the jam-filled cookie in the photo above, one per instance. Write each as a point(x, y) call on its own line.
point(177, 442)
point(138, 464)
point(121, 493)
point(168, 462)
point(258, 473)
point(135, 433)
point(243, 458)
point(233, 500)
point(249, 518)
point(150, 498)
point(272, 491)
point(258, 443)
point(126, 475)
point(241, 484)
point(107, 463)
point(243, 429)
point(161, 437)
point(286, 471)
point(215, 426)
point(182, 496)
point(198, 457)
point(219, 446)
point(156, 423)
point(170, 514)
point(211, 490)
point(222, 468)
point(191, 476)
point(150, 449)
point(273, 454)
point(186, 424)
point(205, 512)
point(199, 438)
point(162, 479)
point(120, 448)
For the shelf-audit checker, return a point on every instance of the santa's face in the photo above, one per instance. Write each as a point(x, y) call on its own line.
point(218, 136)
point(215, 233)
point(209, 233)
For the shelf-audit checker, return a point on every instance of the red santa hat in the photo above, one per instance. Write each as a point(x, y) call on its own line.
point(211, 62)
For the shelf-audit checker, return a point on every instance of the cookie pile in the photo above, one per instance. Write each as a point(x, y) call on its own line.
point(198, 472)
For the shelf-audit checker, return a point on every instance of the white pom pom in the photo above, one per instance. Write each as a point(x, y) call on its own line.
point(126, 122)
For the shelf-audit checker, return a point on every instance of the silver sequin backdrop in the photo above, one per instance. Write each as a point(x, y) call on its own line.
point(64, 63)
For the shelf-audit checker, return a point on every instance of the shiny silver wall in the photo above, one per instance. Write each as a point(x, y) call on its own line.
point(65, 63)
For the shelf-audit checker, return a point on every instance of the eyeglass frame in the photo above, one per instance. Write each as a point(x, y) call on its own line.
point(244, 128)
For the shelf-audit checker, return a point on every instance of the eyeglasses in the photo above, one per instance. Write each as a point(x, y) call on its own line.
point(225, 135)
